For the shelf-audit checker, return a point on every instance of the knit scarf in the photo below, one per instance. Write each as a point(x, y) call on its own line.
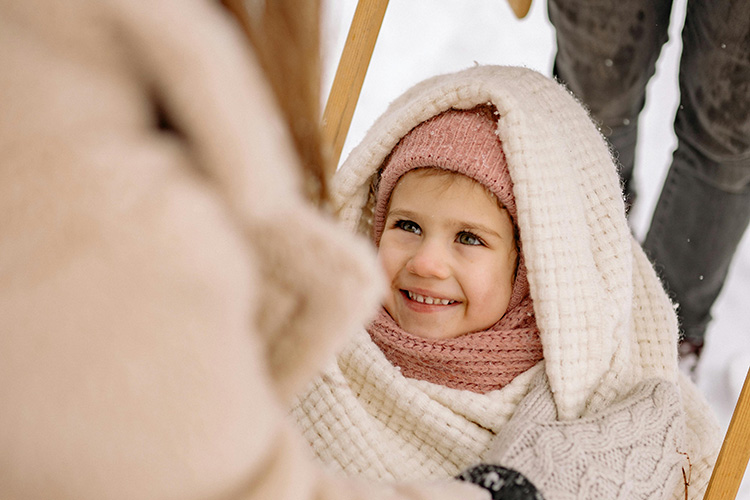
point(479, 362)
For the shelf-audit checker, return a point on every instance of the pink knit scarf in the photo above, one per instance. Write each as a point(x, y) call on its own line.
point(479, 362)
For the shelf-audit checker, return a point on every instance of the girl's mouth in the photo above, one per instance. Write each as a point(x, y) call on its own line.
point(426, 299)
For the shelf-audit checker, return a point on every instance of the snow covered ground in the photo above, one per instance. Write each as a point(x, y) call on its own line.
point(421, 38)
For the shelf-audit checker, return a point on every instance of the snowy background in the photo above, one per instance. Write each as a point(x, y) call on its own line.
point(422, 38)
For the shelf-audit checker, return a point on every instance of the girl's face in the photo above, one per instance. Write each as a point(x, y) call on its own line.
point(449, 252)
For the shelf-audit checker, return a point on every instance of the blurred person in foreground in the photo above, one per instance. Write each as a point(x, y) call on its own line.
point(157, 313)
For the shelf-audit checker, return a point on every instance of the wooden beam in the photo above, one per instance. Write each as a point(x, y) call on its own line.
point(350, 74)
point(735, 451)
point(520, 7)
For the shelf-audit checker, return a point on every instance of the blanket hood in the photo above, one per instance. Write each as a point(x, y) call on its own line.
point(604, 319)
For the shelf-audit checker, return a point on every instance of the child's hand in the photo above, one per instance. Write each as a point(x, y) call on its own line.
point(631, 450)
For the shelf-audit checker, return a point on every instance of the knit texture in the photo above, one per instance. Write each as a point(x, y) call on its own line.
point(604, 320)
point(461, 141)
point(364, 418)
point(631, 450)
point(479, 362)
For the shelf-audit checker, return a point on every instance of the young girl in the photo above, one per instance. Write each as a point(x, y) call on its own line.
point(522, 323)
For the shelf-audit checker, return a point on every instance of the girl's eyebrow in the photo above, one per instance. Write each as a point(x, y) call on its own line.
point(470, 226)
point(400, 212)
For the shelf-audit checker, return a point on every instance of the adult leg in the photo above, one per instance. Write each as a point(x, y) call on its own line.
point(606, 54)
point(704, 206)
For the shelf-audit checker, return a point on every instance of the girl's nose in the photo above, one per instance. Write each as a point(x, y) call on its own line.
point(430, 260)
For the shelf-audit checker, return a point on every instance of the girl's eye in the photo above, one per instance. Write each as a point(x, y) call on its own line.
point(467, 238)
point(409, 226)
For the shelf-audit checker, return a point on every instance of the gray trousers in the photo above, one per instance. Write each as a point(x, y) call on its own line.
point(607, 51)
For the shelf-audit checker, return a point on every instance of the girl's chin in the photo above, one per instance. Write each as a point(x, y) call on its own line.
point(437, 333)
point(425, 325)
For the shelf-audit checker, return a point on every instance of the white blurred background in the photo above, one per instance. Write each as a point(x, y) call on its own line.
point(422, 38)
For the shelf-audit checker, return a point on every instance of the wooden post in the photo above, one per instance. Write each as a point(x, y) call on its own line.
point(350, 74)
point(735, 451)
point(520, 7)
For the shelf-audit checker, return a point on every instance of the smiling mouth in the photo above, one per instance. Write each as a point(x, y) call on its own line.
point(424, 299)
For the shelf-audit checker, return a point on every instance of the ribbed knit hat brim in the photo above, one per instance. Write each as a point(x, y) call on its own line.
point(461, 141)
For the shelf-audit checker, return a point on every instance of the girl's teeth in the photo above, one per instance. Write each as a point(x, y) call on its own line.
point(428, 300)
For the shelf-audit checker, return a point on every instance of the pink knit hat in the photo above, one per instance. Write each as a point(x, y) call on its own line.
point(461, 141)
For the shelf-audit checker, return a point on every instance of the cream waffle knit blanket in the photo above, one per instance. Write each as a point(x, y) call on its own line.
point(605, 321)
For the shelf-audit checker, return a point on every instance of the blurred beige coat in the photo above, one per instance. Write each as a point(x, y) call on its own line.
point(162, 290)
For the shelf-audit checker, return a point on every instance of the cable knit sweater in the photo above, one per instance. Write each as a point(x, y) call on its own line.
point(605, 322)
point(156, 312)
